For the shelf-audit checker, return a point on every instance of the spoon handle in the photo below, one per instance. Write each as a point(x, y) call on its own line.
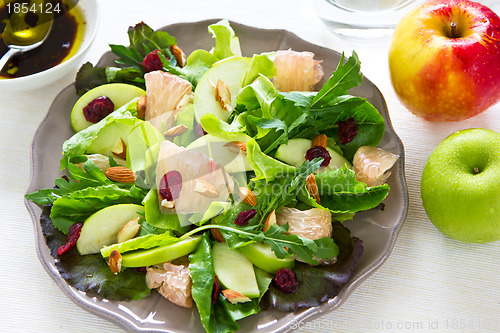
point(6, 57)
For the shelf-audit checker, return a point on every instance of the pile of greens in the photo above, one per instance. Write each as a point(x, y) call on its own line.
point(264, 118)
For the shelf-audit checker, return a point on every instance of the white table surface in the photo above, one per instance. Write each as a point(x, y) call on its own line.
point(430, 283)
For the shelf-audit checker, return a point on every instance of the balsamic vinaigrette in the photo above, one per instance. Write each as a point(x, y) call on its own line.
point(63, 41)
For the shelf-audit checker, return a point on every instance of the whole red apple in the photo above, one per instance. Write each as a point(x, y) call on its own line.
point(445, 60)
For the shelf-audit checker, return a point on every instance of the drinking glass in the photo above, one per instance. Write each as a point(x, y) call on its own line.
point(363, 19)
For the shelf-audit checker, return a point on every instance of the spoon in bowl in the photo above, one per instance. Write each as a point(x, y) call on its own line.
point(24, 32)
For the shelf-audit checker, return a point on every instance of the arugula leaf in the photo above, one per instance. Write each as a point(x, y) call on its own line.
point(79, 205)
point(345, 77)
point(89, 77)
point(90, 273)
point(317, 284)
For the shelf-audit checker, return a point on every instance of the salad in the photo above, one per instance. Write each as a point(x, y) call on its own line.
point(217, 180)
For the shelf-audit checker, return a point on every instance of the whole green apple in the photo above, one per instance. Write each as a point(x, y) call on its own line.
point(445, 60)
point(460, 186)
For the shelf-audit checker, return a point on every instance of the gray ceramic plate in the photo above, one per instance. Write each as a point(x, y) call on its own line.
point(378, 229)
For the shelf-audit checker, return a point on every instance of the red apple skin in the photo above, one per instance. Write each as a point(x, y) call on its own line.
point(441, 78)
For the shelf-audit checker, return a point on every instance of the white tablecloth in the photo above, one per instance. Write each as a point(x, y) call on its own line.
point(429, 283)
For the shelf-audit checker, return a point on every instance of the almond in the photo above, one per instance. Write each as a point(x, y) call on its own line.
point(247, 196)
point(319, 141)
point(120, 174)
point(141, 107)
point(270, 220)
point(223, 95)
point(217, 235)
point(168, 204)
point(115, 262)
point(129, 230)
point(237, 147)
point(205, 189)
point(120, 149)
point(179, 55)
point(175, 131)
point(312, 188)
point(234, 296)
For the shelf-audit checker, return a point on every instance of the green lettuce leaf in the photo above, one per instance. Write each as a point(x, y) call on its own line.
point(261, 64)
point(174, 222)
point(226, 42)
point(264, 166)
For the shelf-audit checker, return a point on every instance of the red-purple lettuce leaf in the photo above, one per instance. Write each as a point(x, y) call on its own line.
point(90, 273)
point(318, 284)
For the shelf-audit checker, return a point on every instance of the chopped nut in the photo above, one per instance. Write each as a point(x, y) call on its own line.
point(247, 196)
point(179, 55)
point(270, 220)
point(120, 149)
point(205, 189)
point(175, 131)
point(168, 204)
point(312, 188)
point(141, 107)
point(120, 174)
point(320, 140)
point(129, 230)
point(115, 262)
point(237, 147)
point(217, 235)
point(223, 95)
point(234, 296)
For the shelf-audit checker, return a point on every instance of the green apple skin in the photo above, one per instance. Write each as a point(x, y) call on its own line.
point(460, 186)
point(294, 153)
point(119, 93)
point(264, 258)
point(231, 71)
point(160, 254)
point(445, 75)
point(110, 137)
point(234, 270)
point(101, 228)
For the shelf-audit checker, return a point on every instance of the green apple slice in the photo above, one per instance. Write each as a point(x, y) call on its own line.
point(294, 153)
point(230, 71)
point(102, 227)
point(263, 257)
point(215, 148)
point(110, 137)
point(161, 254)
point(234, 270)
point(119, 93)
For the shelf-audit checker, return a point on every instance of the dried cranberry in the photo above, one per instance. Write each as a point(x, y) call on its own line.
point(171, 185)
point(73, 235)
point(347, 130)
point(152, 61)
point(245, 216)
point(321, 152)
point(97, 109)
point(215, 290)
point(286, 281)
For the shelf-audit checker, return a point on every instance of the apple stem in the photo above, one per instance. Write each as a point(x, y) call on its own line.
point(454, 30)
point(476, 170)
